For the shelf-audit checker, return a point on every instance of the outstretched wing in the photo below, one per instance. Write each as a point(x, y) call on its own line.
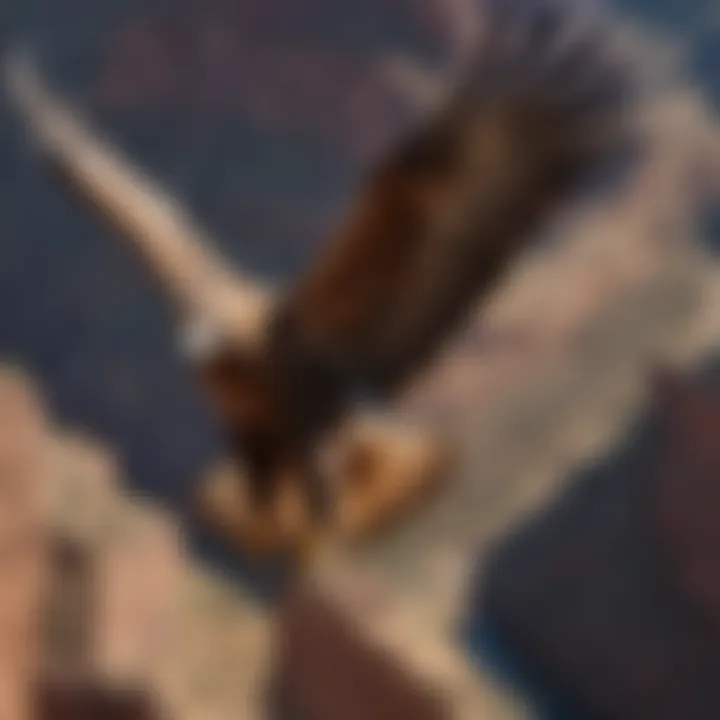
point(171, 244)
point(542, 107)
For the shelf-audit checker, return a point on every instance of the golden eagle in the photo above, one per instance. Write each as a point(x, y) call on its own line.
point(540, 107)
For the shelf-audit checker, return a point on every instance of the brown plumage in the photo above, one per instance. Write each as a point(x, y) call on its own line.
point(539, 109)
point(445, 213)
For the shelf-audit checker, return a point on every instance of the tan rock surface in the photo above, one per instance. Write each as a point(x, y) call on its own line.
point(157, 620)
point(22, 558)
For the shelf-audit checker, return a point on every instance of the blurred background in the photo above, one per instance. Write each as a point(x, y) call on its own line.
point(263, 117)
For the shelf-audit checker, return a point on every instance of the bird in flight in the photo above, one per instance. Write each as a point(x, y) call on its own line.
point(541, 104)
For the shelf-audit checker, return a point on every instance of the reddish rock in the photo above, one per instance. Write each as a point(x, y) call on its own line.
point(88, 700)
point(326, 670)
point(137, 591)
point(87, 577)
point(23, 445)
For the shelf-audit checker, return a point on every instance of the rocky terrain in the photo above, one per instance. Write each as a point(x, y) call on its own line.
point(97, 583)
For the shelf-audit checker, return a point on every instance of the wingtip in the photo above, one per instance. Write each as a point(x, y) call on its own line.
point(18, 70)
point(23, 85)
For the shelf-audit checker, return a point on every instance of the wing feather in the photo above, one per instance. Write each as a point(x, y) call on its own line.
point(542, 107)
point(171, 243)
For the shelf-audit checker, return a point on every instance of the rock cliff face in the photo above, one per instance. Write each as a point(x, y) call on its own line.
point(23, 427)
point(102, 611)
point(327, 669)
